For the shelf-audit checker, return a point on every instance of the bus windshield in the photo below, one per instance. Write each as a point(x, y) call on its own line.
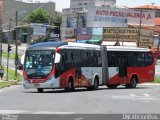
point(38, 64)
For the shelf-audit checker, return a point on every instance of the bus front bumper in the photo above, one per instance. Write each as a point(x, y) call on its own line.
point(50, 84)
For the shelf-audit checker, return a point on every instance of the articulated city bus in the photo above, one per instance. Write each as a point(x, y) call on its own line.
point(52, 65)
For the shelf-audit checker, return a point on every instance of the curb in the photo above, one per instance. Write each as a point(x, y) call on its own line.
point(156, 84)
point(19, 83)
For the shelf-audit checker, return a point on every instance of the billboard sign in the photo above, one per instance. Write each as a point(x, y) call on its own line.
point(145, 37)
point(121, 34)
point(118, 17)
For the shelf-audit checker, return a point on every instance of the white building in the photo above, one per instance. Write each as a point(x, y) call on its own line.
point(77, 14)
point(104, 17)
point(85, 20)
point(87, 3)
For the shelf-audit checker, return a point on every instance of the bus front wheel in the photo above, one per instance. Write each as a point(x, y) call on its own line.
point(133, 83)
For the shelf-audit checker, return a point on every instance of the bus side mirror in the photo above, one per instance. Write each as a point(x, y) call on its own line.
point(57, 58)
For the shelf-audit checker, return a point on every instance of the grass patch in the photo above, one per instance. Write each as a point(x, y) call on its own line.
point(7, 83)
point(11, 75)
point(157, 80)
point(11, 55)
point(12, 79)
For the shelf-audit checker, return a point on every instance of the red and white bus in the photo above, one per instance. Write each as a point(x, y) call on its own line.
point(52, 65)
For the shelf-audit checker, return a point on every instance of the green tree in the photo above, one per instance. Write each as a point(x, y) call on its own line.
point(57, 18)
point(39, 16)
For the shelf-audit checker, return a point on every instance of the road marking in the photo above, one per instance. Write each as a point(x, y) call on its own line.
point(80, 118)
point(12, 111)
point(39, 112)
point(146, 101)
point(132, 95)
point(147, 95)
point(141, 98)
point(57, 113)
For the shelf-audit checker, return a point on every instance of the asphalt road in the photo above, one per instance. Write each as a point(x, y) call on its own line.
point(81, 104)
point(11, 63)
point(145, 99)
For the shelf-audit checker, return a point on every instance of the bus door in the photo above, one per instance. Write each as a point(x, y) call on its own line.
point(122, 63)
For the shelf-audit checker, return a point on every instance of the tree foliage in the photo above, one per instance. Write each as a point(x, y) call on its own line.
point(42, 16)
point(39, 16)
point(57, 18)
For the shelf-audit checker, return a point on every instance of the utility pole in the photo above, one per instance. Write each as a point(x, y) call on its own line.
point(140, 27)
point(59, 26)
point(77, 25)
point(158, 49)
point(1, 35)
point(28, 35)
point(16, 40)
point(9, 48)
point(49, 28)
point(154, 31)
point(123, 30)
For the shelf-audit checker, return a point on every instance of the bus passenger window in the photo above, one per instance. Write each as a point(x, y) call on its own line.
point(141, 59)
point(95, 59)
point(63, 58)
point(72, 58)
point(149, 58)
point(132, 61)
point(114, 61)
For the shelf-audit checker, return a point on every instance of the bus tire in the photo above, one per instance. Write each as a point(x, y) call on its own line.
point(70, 86)
point(90, 88)
point(40, 90)
point(133, 83)
point(112, 86)
point(96, 83)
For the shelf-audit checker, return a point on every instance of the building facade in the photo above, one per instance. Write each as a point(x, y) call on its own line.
point(23, 8)
point(156, 25)
point(88, 3)
point(1, 7)
point(93, 20)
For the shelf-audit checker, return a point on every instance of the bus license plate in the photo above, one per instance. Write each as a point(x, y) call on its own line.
point(36, 85)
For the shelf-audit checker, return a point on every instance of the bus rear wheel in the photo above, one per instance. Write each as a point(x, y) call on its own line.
point(40, 90)
point(70, 86)
point(133, 83)
point(96, 84)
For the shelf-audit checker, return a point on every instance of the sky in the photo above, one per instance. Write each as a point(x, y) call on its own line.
point(60, 4)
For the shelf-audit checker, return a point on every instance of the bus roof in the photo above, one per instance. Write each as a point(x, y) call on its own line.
point(125, 48)
point(53, 45)
point(46, 45)
point(80, 46)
